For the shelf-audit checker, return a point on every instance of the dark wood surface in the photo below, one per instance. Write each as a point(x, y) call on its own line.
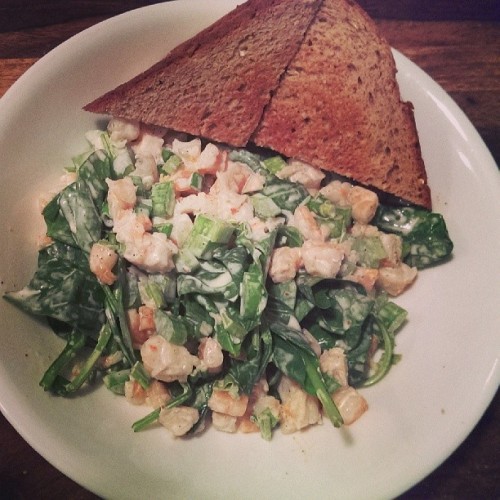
point(457, 42)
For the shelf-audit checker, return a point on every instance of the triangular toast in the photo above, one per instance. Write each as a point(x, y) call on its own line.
point(311, 80)
point(338, 107)
point(216, 84)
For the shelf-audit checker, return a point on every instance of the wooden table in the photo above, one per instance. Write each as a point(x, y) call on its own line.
point(457, 42)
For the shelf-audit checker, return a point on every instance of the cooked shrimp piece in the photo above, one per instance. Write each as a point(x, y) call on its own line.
point(285, 262)
point(149, 143)
point(364, 204)
point(210, 354)
point(211, 160)
point(322, 258)
point(157, 253)
point(146, 168)
point(179, 420)
point(121, 195)
point(122, 131)
point(108, 361)
point(157, 394)
point(303, 219)
point(267, 402)
point(393, 246)
point(303, 173)
point(225, 204)
point(394, 280)
point(365, 276)
point(367, 230)
point(195, 204)
point(235, 207)
point(333, 362)
point(166, 361)
point(224, 423)
point(224, 402)
point(223, 200)
point(146, 319)
point(336, 192)
point(298, 409)
point(102, 260)
point(233, 178)
point(255, 182)
point(138, 336)
point(181, 227)
point(141, 325)
point(259, 402)
point(182, 182)
point(261, 228)
point(350, 403)
point(152, 252)
point(188, 151)
point(134, 392)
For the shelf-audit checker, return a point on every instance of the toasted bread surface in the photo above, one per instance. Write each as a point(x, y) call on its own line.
point(338, 107)
point(217, 84)
point(310, 79)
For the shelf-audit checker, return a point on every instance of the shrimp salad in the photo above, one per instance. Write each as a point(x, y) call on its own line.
point(219, 285)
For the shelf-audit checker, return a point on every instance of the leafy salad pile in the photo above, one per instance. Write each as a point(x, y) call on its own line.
point(218, 287)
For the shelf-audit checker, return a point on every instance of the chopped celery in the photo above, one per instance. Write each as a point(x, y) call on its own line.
point(196, 181)
point(264, 206)
point(266, 422)
point(139, 373)
point(274, 164)
point(163, 199)
point(165, 228)
point(115, 381)
point(206, 235)
point(370, 250)
point(171, 164)
point(186, 261)
point(338, 219)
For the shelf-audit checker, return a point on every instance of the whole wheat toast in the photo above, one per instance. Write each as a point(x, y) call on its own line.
point(311, 80)
point(338, 107)
point(216, 84)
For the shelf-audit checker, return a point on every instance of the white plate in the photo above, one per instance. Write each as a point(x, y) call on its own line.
point(418, 415)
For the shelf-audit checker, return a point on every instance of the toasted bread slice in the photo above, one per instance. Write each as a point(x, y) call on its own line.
point(217, 84)
point(310, 79)
point(338, 107)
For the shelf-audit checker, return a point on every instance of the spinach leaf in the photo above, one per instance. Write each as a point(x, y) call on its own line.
point(289, 236)
point(425, 236)
point(296, 359)
point(258, 350)
point(211, 278)
point(94, 171)
point(285, 194)
point(254, 161)
point(230, 330)
point(338, 219)
point(63, 288)
point(72, 217)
